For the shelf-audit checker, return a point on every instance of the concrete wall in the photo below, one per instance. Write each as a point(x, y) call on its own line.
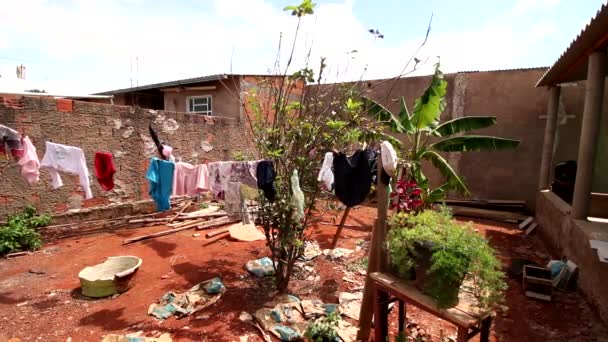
point(225, 98)
point(570, 238)
point(121, 130)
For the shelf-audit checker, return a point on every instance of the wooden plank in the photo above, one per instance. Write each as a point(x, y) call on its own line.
point(377, 258)
point(216, 238)
point(339, 230)
point(155, 235)
point(526, 222)
point(417, 298)
point(487, 214)
point(184, 207)
point(531, 228)
point(216, 232)
point(217, 222)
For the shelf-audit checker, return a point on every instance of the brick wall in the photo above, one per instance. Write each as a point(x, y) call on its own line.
point(122, 130)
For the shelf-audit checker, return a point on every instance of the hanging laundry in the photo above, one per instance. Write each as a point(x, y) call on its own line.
point(297, 196)
point(389, 158)
point(10, 140)
point(190, 179)
point(219, 176)
point(30, 165)
point(265, 179)
point(160, 176)
point(70, 159)
point(104, 170)
point(352, 177)
point(220, 173)
point(326, 175)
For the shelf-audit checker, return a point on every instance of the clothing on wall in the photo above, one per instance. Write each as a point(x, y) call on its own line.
point(30, 165)
point(297, 196)
point(265, 179)
point(352, 177)
point(326, 175)
point(62, 158)
point(160, 178)
point(10, 140)
point(104, 170)
point(190, 179)
point(389, 158)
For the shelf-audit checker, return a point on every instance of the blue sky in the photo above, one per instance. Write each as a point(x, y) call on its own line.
point(83, 46)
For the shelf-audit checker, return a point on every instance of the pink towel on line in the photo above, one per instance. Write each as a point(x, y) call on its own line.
point(190, 179)
point(30, 165)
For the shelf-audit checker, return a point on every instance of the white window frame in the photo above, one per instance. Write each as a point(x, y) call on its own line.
point(208, 112)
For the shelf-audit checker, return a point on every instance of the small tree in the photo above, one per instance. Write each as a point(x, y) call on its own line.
point(294, 129)
point(423, 124)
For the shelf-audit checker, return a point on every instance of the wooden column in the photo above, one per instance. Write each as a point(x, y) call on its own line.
point(377, 258)
point(594, 93)
point(549, 141)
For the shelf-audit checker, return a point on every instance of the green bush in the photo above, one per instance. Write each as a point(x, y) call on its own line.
point(323, 330)
point(20, 233)
point(457, 252)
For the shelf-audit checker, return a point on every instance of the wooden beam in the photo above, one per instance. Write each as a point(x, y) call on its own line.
point(201, 88)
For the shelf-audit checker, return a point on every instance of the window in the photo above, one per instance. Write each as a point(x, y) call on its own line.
point(199, 104)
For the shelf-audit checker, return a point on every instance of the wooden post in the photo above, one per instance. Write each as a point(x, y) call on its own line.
point(377, 259)
point(342, 221)
point(546, 163)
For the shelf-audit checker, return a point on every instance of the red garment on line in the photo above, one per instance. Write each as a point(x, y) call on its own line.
point(104, 170)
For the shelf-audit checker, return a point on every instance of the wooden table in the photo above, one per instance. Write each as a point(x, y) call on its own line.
point(466, 316)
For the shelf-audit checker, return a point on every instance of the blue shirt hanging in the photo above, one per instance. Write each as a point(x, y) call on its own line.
point(160, 175)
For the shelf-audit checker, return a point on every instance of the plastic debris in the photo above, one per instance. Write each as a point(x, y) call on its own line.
point(189, 302)
point(215, 286)
point(287, 333)
point(136, 337)
point(260, 267)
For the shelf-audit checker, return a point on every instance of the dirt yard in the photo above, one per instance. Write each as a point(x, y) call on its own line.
point(40, 297)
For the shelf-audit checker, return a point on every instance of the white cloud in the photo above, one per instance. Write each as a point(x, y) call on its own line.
point(90, 45)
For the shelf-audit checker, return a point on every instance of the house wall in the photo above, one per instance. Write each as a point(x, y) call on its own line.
point(122, 130)
point(224, 102)
point(570, 239)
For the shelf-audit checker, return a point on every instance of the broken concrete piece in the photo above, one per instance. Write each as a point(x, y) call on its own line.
point(245, 317)
point(311, 250)
point(347, 331)
point(337, 253)
point(350, 304)
point(245, 232)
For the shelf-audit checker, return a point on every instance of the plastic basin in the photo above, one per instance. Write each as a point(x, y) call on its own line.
point(115, 275)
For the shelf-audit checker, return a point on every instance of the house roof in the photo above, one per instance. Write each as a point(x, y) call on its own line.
point(571, 66)
point(185, 81)
point(182, 82)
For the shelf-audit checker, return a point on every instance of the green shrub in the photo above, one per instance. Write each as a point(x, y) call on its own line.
point(323, 330)
point(20, 233)
point(457, 252)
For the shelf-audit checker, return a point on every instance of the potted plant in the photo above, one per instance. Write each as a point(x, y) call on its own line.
point(436, 253)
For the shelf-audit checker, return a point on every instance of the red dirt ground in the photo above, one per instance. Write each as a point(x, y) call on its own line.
point(48, 306)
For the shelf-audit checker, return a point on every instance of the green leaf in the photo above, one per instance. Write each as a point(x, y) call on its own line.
point(437, 194)
point(290, 8)
point(453, 180)
point(464, 124)
point(467, 143)
point(405, 117)
point(379, 112)
point(428, 108)
point(336, 124)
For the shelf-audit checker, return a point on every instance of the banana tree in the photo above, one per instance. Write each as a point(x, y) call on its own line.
point(424, 123)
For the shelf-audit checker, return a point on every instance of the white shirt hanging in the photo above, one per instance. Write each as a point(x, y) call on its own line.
point(70, 159)
point(389, 158)
point(326, 175)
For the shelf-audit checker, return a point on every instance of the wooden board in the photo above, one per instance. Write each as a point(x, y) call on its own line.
point(487, 214)
point(526, 222)
point(531, 228)
point(462, 315)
